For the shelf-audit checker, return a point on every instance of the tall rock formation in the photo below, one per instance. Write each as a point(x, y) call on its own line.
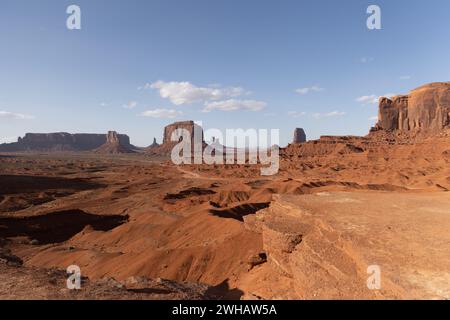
point(190, 126)
point(299, 136)
point(425, 109)
point(166, 147)
point(113, 145)
point(154, 144)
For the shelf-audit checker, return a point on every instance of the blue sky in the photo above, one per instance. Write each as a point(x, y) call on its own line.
point(274, 64)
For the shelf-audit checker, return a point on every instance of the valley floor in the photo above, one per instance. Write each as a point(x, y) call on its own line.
point(224, 231)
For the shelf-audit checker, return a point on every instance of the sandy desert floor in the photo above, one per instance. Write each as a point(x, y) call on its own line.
point(310, 232)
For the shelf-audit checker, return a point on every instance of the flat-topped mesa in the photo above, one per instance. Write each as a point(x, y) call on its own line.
point(61, 141)
point(299, 136)
point(426, 109)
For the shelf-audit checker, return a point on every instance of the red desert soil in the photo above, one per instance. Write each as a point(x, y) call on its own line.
point(349, 203)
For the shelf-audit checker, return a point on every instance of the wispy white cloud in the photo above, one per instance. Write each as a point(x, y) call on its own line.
point(405, 77)
point(373, 99)
point(103, 104)
point(234, 105)
point(297, 114)
point(130, 105)
point(15, 116)
point(374, 118)
point(162, 113)
point(328, 114)
point(180, 93)
point(369, 99)
point(307, 90)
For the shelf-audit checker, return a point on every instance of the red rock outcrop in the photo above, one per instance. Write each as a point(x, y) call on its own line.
point(113, 145)
point(426, 108)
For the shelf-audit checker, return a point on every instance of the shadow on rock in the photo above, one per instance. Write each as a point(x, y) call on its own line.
point(239, 212)
point(58, 226)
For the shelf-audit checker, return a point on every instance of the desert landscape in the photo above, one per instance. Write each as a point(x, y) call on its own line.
point(141, 227)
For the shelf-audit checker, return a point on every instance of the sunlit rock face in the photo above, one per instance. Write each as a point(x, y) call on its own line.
point(426, 108)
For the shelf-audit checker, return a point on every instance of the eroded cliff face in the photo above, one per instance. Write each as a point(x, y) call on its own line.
point(61, 141)
point(426, 108)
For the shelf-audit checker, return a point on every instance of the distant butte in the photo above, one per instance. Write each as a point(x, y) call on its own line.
point(154, 144)
point(62, 141)
point(166, 147)
point(113, 145)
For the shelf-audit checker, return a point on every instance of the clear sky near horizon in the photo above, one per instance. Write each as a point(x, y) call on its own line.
point(136, 66)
